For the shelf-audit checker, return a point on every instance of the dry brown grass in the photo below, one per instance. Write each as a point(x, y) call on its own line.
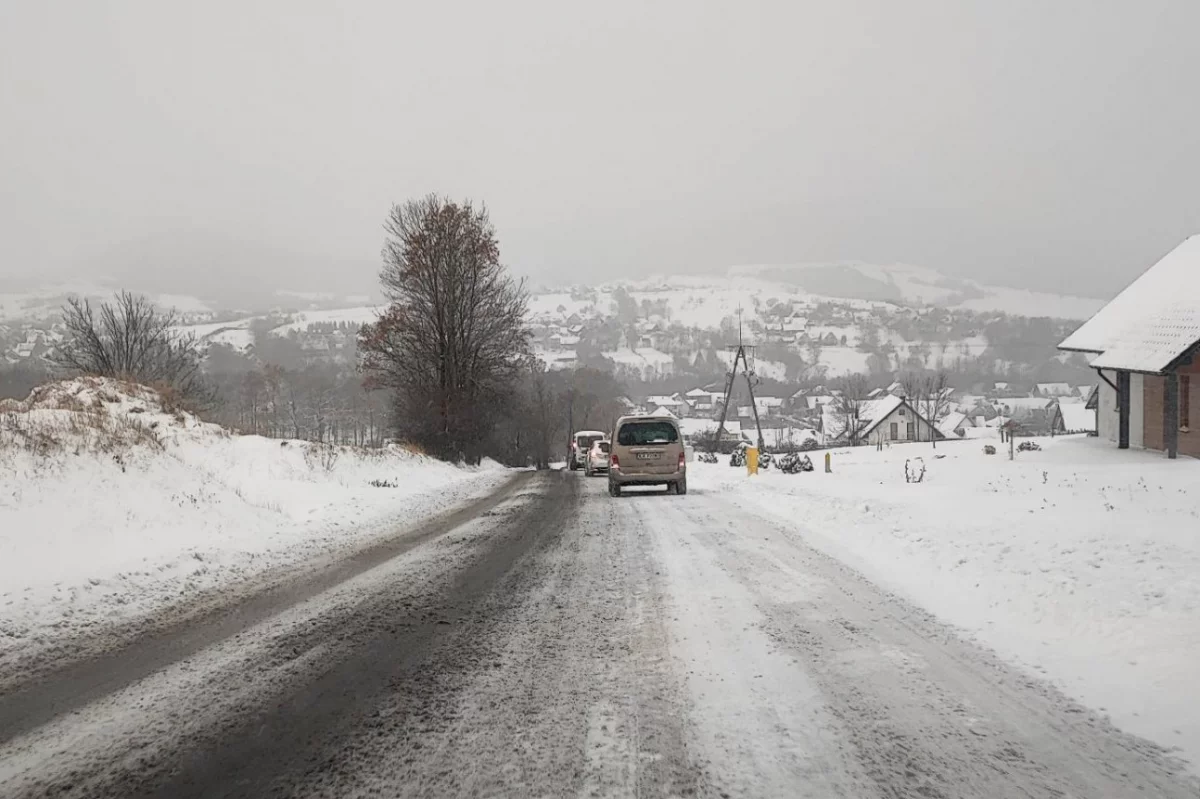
point(57, 420)
point(412, 448)
point(173, 402)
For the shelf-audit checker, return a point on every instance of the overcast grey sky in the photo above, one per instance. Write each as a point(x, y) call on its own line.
point(1031, 142)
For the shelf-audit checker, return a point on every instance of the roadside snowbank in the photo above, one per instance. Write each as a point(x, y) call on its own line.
point(1080, 562)
point(113, 504)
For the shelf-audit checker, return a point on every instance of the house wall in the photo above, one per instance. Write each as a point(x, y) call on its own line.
point(1108, 420)
point(1153, 401)
point(1106, 411)
point(1137, 412)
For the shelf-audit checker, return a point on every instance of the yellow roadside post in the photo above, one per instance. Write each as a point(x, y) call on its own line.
point(752, 460)
point(828, 463)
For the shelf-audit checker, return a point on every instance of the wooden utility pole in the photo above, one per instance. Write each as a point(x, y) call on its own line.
point(741, 353)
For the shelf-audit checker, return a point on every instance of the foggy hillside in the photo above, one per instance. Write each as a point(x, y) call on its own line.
point(228, 272)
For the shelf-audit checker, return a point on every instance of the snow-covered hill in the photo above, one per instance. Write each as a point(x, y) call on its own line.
point(705, 301)
point(44, 302)
point(914, 285)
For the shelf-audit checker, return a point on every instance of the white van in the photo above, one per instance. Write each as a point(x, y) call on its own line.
point(581, 443)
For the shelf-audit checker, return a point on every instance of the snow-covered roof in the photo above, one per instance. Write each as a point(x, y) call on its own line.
point(1025, 404)
point(953, 421)
point(663, 412)
point(664, 402)
point(875, 411)
point(1054, 389)
point(1152, 322)
point(699, 392)
point(1078, 418)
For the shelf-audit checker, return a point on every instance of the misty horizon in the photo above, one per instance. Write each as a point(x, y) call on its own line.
point(1023, 146)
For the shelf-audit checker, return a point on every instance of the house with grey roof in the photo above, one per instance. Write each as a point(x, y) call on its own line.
point(1145, 346)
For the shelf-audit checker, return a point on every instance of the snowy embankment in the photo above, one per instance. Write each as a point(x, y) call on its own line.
point(1080, 562)
point(113, 506)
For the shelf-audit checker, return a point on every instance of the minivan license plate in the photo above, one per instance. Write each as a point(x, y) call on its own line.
point(645, 456)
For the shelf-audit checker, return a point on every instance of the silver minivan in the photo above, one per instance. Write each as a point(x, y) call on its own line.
point(647, 450)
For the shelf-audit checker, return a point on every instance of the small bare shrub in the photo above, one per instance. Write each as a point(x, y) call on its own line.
point(322, 456)
point(384, 484)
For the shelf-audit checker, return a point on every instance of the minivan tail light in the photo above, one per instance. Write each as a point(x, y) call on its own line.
point(614, 460)
point(682, 459)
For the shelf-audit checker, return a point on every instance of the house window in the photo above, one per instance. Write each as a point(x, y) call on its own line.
point(1185, 402)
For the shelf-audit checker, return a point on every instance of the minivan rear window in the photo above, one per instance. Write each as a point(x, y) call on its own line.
point(633, 434)
point(585, 442)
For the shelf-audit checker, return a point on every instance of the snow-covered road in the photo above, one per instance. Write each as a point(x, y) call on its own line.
point(564, 643)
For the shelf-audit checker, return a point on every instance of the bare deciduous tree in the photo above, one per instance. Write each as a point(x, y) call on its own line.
point(848, 406)
point(131, 339)
point(542, 412)
point(928, 394)
point(935, 391)
point(912, 383)
point(451, 342)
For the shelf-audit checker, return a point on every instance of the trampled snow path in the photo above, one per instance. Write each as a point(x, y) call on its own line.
point(890, 693)
point(567, 643)
point(1079, 562)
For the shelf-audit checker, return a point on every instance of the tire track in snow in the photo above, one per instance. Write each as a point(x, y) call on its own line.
point(574, 695)
point(63, 679)
point(757, 722)
point(257, 705)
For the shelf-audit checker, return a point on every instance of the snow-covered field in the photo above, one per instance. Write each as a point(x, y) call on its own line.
point(1079, 562)
point(360, 315)
point(236, 333)
point(111, 505)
